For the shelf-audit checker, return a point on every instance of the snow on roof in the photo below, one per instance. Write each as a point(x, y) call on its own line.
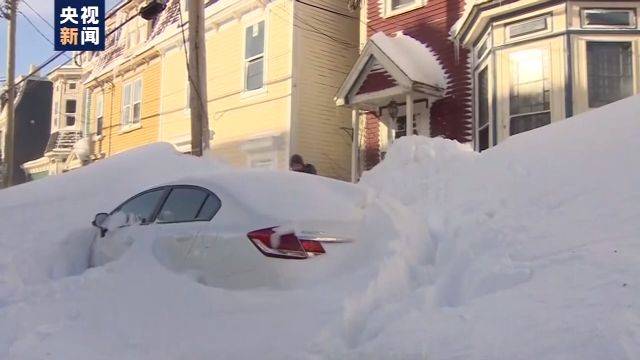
point(417, 60)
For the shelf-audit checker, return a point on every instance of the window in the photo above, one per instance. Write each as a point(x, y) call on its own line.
point(609, 72)
point(528, 27)
point(398, 4)
point(99, 114)
point(209, 209)
point(70, 112)
point(530, 91)
point(188, 204)
point(141, 207)
point(137, 32)
point(401, 127)
point(71, 86)
point(131, 103)
point(254, 57)
point(483, 48)
point(395, 7)
point(612, 18)
point(483, 111)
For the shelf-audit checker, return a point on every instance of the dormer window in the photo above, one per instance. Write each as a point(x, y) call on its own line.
point(608, 18)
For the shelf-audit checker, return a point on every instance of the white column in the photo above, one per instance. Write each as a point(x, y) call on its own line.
point(355, 145)
point(409, 112)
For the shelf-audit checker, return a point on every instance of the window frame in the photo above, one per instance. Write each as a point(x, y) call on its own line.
point(476, 107)
point(68, 114)
point(128, 107)
point(633, 60)
point(389, 11)
point(487, 41)
point(246, 61)
point(633, 23)
point(547, 76)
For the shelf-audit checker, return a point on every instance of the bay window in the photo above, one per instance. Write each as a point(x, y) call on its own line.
point(609, 72)
point(530, 91)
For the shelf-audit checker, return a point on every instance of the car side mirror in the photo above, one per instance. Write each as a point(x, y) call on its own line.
point(99, 220)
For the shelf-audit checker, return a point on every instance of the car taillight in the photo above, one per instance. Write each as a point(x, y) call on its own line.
point(284, 246)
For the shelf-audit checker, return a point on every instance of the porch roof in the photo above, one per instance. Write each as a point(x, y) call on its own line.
point(389, 66)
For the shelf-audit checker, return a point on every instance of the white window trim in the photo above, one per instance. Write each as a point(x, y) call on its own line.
point(486, 39)
point(389, 12)
point(131, 125)
point(534, 34)
point(245, 61)
point(583, 19)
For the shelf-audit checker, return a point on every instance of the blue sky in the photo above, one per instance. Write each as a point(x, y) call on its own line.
point(31, 48)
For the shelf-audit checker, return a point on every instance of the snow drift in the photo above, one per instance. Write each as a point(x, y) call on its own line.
point(529, 250)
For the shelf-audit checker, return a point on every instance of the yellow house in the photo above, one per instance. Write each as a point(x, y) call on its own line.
point(123, 84)
point(273, 68)
point(272, 71)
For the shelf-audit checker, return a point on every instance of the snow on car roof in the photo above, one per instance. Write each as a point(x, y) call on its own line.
point(285, 195)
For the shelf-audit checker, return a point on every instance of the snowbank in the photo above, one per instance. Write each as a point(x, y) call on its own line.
point(44, 225)
point(529, 250)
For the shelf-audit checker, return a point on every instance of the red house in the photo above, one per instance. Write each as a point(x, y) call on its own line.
point(408, 68)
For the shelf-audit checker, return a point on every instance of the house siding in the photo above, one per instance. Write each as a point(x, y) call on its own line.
point(430, 24)
point(115, 139)
point(321, 65)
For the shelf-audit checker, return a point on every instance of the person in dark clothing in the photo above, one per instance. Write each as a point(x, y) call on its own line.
point(296, 163)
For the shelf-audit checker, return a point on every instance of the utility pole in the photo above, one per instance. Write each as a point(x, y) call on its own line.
point(197, 73)
point(10, 15)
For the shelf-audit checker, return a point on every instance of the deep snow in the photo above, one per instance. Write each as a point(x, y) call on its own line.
point(530, 250)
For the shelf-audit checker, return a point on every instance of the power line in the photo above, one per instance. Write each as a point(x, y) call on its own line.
point(56, 56)
point(37, 13)
point(38, 30)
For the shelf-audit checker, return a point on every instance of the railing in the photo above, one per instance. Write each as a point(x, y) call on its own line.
point(63, 141)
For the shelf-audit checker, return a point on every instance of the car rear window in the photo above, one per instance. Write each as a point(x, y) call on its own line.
point(210, 208)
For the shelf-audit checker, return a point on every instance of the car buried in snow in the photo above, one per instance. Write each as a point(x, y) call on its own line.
point(239, 229)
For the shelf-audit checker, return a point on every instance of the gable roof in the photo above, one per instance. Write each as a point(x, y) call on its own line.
point(397, 61)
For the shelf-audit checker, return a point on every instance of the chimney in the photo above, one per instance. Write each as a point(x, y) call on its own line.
point(32, 70)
